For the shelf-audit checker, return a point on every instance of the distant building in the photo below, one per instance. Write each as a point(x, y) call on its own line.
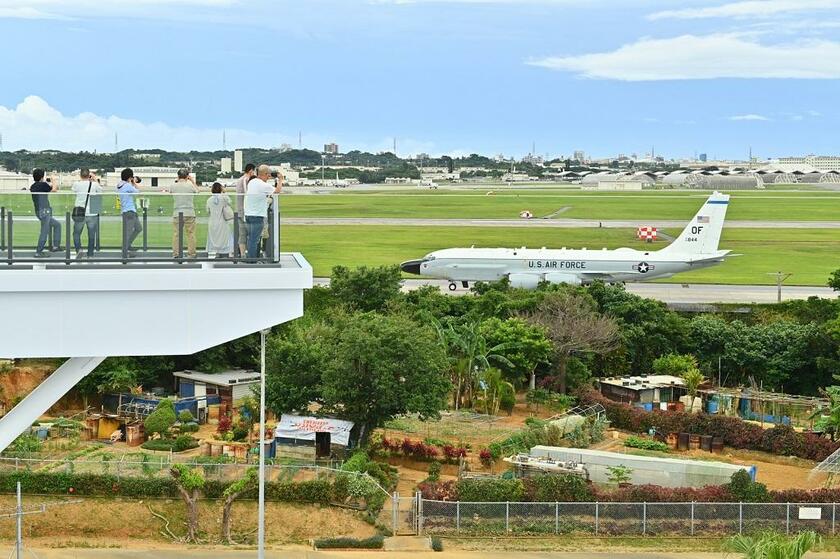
point(230, 386)
point(533, 159)
point(819, 162)
point(579, 155)
point(227, 165)
point(146, 156)
point(10, 182)
point(237, 161)
point(291, 177)
point(150, 177)
point(703, 157)
point(331, 149)
point(285, 147)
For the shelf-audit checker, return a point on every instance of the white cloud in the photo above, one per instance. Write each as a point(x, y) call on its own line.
point(749, 117)
point(34, 124)
point(692, 57)
point(71, 9)
point(750, 8)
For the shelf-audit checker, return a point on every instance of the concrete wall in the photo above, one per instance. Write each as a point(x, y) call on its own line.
point(667, 472)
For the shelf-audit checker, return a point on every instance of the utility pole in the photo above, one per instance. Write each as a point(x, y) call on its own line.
point(224, 140)
point(261, 493)
point(780, 277)
point(300, 139)
point(323, 162)
point(19, 531)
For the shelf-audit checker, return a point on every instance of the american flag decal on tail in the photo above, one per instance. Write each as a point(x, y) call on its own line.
point(702, 219)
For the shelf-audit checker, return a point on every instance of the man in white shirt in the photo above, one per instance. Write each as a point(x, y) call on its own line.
point(183, 204)
point(241, 187)
point(86, 210)
point(256, 207)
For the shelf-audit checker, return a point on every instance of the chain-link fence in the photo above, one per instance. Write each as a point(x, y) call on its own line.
point(623, 519)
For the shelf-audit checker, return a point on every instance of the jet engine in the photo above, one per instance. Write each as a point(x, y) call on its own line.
point(570, 279)
point(524, 281)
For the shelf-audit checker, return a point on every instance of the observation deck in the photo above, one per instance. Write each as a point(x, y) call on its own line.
point(147, 297)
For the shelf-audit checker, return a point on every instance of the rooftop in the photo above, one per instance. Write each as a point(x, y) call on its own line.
point(644, 382)
point(227, 378)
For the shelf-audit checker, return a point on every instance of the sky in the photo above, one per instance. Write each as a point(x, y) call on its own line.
point(441, 76)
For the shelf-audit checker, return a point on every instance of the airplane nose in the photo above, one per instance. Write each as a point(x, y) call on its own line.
point(411, 267)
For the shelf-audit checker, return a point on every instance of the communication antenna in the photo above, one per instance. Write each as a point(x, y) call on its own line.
point(395, 145)
point(780, 278)
point(300, 139)
point(224, 140)
point(1, 141)
point(116, 143)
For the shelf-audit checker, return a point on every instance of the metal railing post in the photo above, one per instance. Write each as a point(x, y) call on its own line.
point(3, 228)
point(644, 518)
point(180, 236)
point(236, 252)
point(145, 228)
point(10, 238)
point(692, 518)
point(419, 514)
point(275, 228)
point(556, 517)
point(596, 517)
point(740, 518)
point(124, 238)
point(395, 511)
point(833, 516)
point(787, 524)
point(67, 238)
point(98, 244)
point(507, 516)
point(458, 517)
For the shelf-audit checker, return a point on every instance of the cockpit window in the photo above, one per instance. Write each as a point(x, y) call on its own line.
point(429, 258)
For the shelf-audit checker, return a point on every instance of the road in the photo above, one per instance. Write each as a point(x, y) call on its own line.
point(212, 553)
point(675, 293)
point(561, 223)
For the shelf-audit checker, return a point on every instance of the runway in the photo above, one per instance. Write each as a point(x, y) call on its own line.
point(560, 223)
point(676, 293)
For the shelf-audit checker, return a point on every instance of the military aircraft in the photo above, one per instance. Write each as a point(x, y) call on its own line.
point(695, 248)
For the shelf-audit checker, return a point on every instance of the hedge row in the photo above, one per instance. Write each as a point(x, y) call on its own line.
point(572, 489)
point(103, 485)
point(781, 439)
point(373, 542)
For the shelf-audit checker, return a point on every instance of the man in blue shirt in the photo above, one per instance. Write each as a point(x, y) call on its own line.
point(126, 189)
point(43, 210)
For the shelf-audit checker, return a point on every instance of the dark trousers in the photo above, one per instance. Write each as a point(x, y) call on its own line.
point(131, 228)
point(254, 225)
point(92, 223)
point(48, 222)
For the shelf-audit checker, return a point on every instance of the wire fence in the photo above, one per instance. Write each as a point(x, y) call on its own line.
point(623, 519)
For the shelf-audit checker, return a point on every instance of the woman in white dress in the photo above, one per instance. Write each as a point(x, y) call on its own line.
point(219, 230)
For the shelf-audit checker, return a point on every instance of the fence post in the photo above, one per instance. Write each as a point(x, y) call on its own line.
point(596, 518)
point(395, 512)
point(458, 517)
point(833, 516)
point(644, 518)
point(419, 514)
point(740, 518)
point(507, 516)
point(787, 524)
point(556, 517)
point(692, 518)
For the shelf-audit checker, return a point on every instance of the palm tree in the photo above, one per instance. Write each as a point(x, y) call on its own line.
point(771, 545)
point(692, 378)
point(829, 418)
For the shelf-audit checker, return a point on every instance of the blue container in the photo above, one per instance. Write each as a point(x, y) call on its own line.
point(43, 432)
point(649, 406)
point(712, 406)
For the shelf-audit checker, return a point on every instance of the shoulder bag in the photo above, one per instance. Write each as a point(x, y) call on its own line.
point(79, 211)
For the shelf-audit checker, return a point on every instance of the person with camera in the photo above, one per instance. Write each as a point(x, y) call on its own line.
point(184, 191)
point(40, 190)
point(256, 207)
point(241, 188)
point(127, 188)
point(86, 211)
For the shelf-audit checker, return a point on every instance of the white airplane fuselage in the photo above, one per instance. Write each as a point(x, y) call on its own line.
point(694, 249)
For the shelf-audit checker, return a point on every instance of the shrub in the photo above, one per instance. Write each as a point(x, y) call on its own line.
point(184, 442)
point(240, 432)
point(645, 444)
point(437, 543)
point(189, 427)
point(186, 416)
point(620, 474)
point(373, 542)
point(440, 491)
point(434, 471)
point(161, 419)
point(423, 450)
point(224, 425)
point(26, 443)
point(743, 488)
point(490, 490)
point(485, 457)
point(158, 444)
point(564, 488)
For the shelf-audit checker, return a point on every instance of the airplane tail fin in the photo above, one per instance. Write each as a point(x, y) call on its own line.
point(702, 234)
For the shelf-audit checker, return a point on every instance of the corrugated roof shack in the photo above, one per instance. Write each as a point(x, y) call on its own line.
point(230, 386)
point(653, 390)
point(667, 472)
point(311, 437)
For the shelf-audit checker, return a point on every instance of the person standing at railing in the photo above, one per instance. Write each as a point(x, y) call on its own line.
point(183, 191)
point(256, 208)
point(241, 189)
point(40, 190)
point(127, 188)
point(86, 211)
point(219, 234)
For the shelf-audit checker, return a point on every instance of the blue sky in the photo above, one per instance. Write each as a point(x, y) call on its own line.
point(443, 76)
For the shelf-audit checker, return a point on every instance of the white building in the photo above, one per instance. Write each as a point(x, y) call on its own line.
point(150, 177)
point(291, 177)
point(10, 182)
point(227, 165)
point(819, 162)
point(237, 161)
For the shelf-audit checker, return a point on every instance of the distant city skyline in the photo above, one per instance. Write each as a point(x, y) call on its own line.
point(441, 76)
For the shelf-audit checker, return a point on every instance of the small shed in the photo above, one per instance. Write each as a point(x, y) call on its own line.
point(229, 386)
point(648, 391)
point(308, 436)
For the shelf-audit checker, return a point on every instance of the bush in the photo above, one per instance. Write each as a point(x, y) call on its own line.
point(158, 444)
point(437, 544)
point(434, 472)
point(440, 491)
point(189, 427)
point(26, 443)
point(224, 425)
point(743, 488)
point(423, 450)
point(186, 416)
point(161, 419)
point(491, 490)
point(645, 444)
point(563, 488)
point(240, 432)
point(373, 542)
point(485, 457)
point(184, 442)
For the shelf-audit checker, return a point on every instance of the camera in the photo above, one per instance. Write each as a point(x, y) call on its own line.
point(274, 174)
point(138, 180)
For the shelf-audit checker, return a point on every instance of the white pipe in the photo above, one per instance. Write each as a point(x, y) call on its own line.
point(261, 512)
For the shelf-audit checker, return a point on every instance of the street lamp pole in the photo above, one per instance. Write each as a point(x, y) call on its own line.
point(323, 163)
point(261, 512)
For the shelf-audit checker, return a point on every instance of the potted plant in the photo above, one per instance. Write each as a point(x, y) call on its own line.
point(621, 475)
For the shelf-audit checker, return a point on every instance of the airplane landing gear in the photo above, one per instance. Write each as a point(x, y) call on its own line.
point(465, 284)
point(453, 286)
